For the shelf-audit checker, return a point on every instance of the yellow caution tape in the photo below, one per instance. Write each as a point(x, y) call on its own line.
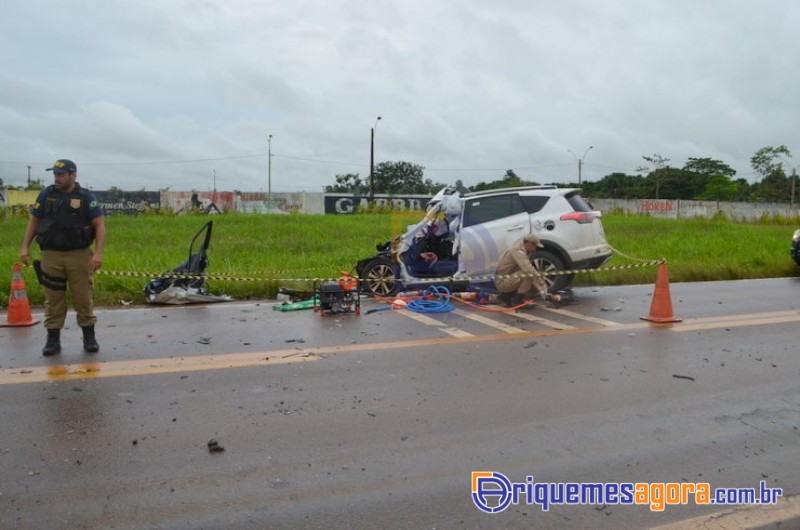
point(565, 272)
point(226, 277)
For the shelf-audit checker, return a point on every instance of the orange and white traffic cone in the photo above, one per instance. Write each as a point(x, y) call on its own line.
point(19, 311)
point(661, 305)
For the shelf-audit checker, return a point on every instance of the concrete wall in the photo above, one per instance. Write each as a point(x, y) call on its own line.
point(133, 202)
point(740, 211)
point(337, 203)
point(17, 197)
point(245, 202)
point(275, 203)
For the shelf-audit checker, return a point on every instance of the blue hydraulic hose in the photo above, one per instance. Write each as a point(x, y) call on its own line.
point(439, 304)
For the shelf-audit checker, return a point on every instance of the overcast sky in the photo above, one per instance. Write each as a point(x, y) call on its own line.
point(185, 93)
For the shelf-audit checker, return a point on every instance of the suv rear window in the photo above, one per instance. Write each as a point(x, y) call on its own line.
point(484, 209)
point(578, 204)
point(534, 203)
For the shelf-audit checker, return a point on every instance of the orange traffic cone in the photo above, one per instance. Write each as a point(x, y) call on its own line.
point(661, 306)
point(19, 311)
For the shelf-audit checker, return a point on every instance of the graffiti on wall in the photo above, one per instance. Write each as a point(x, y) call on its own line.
point(659, 207)
point(210, 202)
point(345, 204)
point(256, 202)
point(118, 202)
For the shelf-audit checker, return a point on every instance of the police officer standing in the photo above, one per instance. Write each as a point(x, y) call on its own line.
point(65, 220)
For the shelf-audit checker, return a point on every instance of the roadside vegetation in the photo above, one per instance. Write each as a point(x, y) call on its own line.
point(703, 179)
point(260, 253)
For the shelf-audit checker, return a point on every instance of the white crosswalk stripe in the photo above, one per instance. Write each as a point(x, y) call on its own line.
point(428, 321)
point(543, 321)
point(488, 321)
point(498, 319)
point(579, 316)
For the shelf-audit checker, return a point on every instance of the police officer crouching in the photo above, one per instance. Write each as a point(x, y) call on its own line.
point(66, 220)
point(516, 290)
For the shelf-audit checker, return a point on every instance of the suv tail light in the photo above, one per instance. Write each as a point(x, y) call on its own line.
point(580, 217)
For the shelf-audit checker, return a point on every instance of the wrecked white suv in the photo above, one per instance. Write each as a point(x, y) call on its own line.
point(462, 238)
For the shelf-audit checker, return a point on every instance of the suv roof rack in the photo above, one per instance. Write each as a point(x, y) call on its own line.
point(503, 190)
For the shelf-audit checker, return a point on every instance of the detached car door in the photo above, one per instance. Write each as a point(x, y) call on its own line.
point(489, 225)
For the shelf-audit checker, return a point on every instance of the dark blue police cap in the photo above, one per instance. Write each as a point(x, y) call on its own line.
point(63, 166)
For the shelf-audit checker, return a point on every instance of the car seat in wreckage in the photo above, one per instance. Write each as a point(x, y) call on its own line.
point(174, 289)
point(441, 219)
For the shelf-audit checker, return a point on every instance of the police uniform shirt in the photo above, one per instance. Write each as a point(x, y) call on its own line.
point(79, 203)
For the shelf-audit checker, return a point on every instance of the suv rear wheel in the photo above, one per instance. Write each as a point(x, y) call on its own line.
point(547, 262)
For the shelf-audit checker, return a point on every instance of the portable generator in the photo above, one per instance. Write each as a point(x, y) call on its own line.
point(334, 297)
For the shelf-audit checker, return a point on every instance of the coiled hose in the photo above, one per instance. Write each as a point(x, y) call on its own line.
point(434, 299)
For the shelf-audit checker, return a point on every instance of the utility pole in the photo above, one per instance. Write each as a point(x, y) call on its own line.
point(372, 162)
point(580, 162)
point(794, 180)
point(269, 166)
point(29, 179)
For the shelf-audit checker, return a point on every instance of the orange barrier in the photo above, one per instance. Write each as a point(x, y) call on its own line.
point(661, 305)
point(19, 311)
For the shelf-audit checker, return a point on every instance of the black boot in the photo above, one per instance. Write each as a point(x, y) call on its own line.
point(89, 341)
point(53, 345)
point(518, 299)
point(505, 297)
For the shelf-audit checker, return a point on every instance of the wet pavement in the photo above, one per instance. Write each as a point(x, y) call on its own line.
point(378, 420)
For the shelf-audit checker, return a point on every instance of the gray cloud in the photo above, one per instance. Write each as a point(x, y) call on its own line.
point(152, 94)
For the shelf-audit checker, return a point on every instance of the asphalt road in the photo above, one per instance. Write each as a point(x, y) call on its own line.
point(379, 420)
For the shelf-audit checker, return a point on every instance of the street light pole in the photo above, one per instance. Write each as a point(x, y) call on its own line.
point(269, 166)
point(372, 162)
point(580, 162)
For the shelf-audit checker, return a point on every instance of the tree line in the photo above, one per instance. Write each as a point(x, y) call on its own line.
point(698, 179)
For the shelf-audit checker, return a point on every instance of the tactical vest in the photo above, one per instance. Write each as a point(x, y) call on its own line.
point(66, 224)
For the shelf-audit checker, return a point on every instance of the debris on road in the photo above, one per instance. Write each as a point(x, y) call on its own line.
point(687, 377)
point(295, 306)
point(214, 447)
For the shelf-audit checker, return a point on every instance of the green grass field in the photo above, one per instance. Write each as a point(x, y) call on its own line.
point(275, 248)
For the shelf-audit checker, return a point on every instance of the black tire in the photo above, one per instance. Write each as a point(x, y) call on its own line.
point(545, 262)
point(379, 278)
